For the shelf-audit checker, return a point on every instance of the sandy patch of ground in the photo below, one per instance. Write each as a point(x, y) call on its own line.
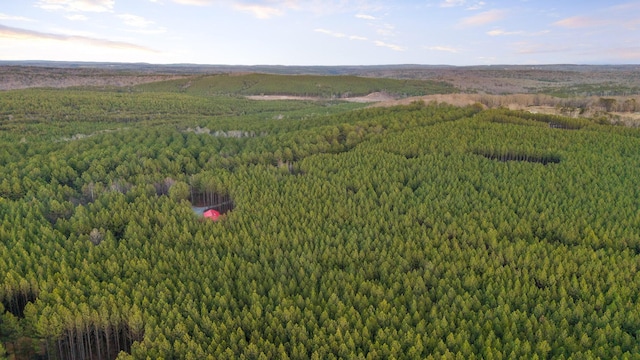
point(371, 98)
point(280, 97)
point(84, 136)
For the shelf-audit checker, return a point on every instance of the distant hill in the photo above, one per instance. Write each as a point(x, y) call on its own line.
point(558, 80)
point(338, 86)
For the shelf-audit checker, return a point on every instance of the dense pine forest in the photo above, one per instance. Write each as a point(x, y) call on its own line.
point(423, 231)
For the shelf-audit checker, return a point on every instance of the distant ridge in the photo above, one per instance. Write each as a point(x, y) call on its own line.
point(556, 79)
point(204, 68)
point(289, 69)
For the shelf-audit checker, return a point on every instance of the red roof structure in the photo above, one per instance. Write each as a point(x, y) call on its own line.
point(211, 214)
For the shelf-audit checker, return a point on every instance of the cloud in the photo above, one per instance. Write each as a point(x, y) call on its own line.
point(77, 5)
point(7, 32)
point(577, 22)
point(386, 30)
point(390, 46)
point(260, 11)
point(483, 18)
point(135, 21)
point(340, 35)
point(14, 18)
point(266, 9)
point(477, 6)
point(356, 37)
point(324, 7)
point(365, 17)
point(140, 24)
point(458, 3)
point(498, 32)
point(72, 32)
point(360, 38)
point(443, 48)
point(193, 2)
point(452, 3)
point(317, 7)
point(330, 33)
point(77, 17)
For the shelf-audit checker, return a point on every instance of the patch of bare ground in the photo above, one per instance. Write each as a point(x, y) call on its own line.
point(281, 97)
point(370, 98)
point(84, 136)
point(373, 97)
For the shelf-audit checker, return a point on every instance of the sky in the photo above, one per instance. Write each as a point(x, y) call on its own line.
point(328, 32)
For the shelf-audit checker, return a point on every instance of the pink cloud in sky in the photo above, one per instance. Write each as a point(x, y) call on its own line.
point(483, 18)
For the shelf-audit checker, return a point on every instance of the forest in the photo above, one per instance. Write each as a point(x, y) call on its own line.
point(420, 231)
point(301, 85)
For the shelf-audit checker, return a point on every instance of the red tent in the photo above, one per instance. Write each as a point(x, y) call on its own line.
point(211, 214)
